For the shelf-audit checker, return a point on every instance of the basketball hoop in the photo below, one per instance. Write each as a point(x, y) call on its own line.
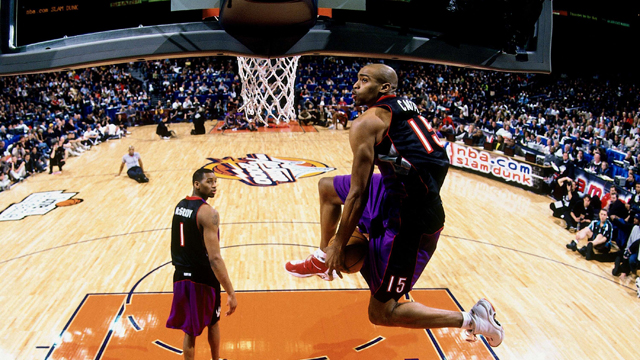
point(268, 88)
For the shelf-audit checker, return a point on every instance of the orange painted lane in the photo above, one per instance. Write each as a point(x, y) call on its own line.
point(88, 329)
point(449, 340)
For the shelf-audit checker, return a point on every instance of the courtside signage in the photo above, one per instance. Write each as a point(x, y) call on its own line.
point(266, 170)
point(38, 204)
point(482, 161)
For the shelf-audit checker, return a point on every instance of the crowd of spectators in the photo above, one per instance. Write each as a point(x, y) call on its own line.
point(44, 118)
point(572, 122)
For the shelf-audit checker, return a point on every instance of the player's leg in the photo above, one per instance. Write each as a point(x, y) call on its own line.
point(332, 193)
point(411, 315)
point(600, 243)
point(188, 346)
point(214, 341)
point(580, 235)
point(330, 210)
point(479, 321)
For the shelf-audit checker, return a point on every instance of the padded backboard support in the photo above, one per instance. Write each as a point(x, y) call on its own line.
point(268, 27)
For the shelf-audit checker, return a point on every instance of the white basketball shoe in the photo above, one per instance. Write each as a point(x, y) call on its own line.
point(484, 323)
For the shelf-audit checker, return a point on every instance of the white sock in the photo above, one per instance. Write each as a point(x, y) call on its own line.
point(467, 321)
point(320, 255)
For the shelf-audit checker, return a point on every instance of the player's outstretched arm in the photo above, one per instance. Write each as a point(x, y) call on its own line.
point(362, 138)
point(209, 220)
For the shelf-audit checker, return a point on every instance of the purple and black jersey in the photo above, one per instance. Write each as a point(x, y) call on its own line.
point(410, 156)
point(196, 290)
point(187, 242)
point(405, 210)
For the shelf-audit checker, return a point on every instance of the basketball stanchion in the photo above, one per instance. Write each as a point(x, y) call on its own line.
point(268, 88)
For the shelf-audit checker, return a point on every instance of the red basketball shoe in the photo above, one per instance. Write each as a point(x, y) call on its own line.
point(313, 265)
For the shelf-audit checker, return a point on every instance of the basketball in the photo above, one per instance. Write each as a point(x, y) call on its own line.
point(354, 253)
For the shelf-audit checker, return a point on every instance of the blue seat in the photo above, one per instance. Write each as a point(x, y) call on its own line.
point(615, 155)
point(543, 140)
point(588, 157)
point(618, 171)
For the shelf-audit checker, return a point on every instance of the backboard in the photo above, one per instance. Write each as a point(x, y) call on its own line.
point(46, 35)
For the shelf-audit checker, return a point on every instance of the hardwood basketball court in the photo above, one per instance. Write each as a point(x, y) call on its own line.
point(70, 272)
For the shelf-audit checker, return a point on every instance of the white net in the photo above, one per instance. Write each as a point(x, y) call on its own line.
point(268, 88)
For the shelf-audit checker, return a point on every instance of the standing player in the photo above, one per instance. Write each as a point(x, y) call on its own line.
point(409, 216)
point(199, 267)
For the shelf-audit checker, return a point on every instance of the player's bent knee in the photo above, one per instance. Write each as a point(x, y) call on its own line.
point(325, 185)
point(327, 191)
point(381, 313)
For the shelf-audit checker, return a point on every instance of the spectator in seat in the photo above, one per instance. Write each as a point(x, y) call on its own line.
point(630, 181)
point(304, 117)
point(580, 215)
point(163, 129)
point(620, 218)
point(596, 164)
point(198, 121)
point(607, 197)
point(57, 155)
point(626, 261)
point(5, 183)
point(630, 159)
point(17, 168)
point(131, 116)
point(244, 124)
point(634, 202)
point(504, 131)
point(313, 112)
point(566, 166)
point(32, 165)
point(580, 161)
point(598, 235)
point(323, 116)
point(568, 197)
point(230, 121)
point(604, 169)
point(134, 164)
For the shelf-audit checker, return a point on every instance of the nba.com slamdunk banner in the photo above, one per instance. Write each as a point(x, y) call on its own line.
point(502, 167)
point(265, 170)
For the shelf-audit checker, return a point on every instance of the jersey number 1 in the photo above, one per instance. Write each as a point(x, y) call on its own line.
point(182, 234)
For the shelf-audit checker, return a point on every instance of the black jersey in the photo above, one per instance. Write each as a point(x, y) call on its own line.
point(187, 242)
point(419, 161)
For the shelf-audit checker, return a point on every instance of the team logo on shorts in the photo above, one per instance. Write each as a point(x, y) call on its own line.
point(265, 170)
point(38, 204)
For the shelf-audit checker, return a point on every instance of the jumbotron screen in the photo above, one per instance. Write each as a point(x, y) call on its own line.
point(42, 20)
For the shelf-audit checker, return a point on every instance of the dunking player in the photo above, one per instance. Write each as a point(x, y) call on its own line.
point(408, 216)
point(199, 267)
